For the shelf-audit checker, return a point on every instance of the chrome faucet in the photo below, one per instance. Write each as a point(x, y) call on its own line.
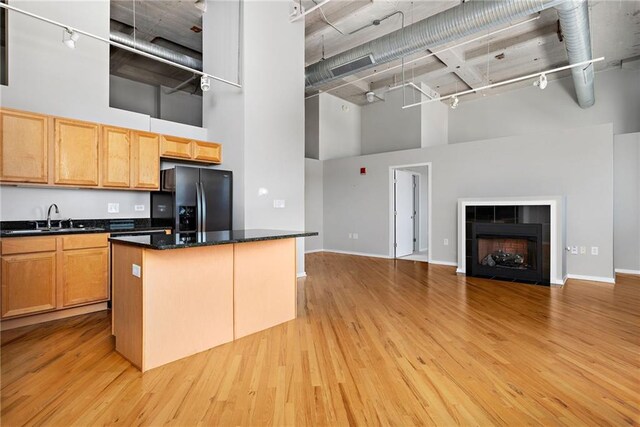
point(52, 205)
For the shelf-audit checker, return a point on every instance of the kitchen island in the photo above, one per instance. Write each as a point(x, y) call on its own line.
point(179, 294)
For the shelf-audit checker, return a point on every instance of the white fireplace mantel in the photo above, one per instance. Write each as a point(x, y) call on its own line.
point(558, 229)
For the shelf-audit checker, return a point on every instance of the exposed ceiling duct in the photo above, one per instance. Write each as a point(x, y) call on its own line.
point(154, 49)
point(461, 21)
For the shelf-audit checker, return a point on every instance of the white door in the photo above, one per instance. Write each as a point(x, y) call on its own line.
point(404, 213)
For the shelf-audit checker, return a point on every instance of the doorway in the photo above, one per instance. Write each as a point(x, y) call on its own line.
point(410, 213)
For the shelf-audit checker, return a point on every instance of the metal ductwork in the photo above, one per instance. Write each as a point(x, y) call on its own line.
point(458, 22)
point(154, 49)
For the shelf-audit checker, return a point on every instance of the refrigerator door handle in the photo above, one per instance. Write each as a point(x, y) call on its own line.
point(198, 208)
point(203, 207)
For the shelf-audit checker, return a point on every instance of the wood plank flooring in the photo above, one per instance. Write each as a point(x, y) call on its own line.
point(376, 342)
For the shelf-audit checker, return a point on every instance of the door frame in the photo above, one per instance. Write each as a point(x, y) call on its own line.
point(392, 196)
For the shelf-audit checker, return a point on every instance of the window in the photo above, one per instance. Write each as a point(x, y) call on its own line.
point(4, 59)
point(144, 85)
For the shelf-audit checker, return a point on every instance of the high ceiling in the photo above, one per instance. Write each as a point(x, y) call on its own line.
point(522, 49)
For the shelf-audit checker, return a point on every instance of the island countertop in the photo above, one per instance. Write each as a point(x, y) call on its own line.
point(211, 238)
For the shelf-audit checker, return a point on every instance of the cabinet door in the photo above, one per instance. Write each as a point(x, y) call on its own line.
point(174, 147)
point(207, 152)
point(28, 283)
point(86, 276)
point(76, 152)
point(145, 159)
point(24, 144)
point(116, 151)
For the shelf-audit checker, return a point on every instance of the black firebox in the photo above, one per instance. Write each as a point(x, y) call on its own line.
point(507, 251)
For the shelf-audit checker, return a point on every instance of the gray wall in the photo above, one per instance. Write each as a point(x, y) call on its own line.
point(313, 202)
point(532, 110)
point(626, 206)
point(264, 145)
point(339, 127)
point(576, 163)
point(387, 127)
point(47, 77)
point(312, 128)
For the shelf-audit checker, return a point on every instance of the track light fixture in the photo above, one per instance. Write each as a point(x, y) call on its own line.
point(205, 83)
point(70, 37)
point(371, 96)
point(454, 102)
point(201, 4)
point(541, 82)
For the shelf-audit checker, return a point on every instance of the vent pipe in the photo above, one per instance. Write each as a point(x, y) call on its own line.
point(154, 49)
point(461, 21)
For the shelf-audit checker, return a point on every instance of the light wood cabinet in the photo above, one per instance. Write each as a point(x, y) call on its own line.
point(175, 147)
point(76, 152)
point(24, 147)
point(46, 273)
point(145, 159)
point(28, 283)
point(116, 154)
point(209, 152)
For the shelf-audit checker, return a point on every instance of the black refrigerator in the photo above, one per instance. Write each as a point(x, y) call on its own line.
point(193, 199)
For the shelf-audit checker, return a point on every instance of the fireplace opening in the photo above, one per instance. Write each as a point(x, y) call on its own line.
point(507, 251)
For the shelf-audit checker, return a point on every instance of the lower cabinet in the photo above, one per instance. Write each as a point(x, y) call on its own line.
point(41, 274)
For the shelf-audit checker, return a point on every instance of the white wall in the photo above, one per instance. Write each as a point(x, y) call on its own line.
point(626, 208)
point(434, 122)
point(576, 163)
point(387, 127)
point(532, 110)
point(313, 202)
point(261, 125)
point(339, 127)
point(47, 77)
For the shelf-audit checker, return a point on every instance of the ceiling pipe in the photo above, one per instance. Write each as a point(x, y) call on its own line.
point(461, 21)
point(154, 49)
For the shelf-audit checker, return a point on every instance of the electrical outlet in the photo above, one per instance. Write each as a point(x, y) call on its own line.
point(135, 270)
point(574, 250)
point(594, 250)
point(278, 204)
point(351, 235)
point(138, 208)
point(113, 207)
point(583, 250)
point(446, 242)
point(355, 236)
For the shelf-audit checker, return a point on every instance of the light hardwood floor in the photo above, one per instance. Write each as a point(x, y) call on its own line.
point(375, 342)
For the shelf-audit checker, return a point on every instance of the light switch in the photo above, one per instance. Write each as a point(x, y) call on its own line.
point(574, 250)
point(278, 204)
point(135, 270)
point(594, 250)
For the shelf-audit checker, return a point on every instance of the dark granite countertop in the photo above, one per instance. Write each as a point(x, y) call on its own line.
point(80, 226)
point(189, 240)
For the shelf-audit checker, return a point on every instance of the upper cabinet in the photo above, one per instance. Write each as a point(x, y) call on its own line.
point(24, 147)
point(38, 149)
point(172, 147)
point(116, 157)
point(76, 152)
point(145, 158)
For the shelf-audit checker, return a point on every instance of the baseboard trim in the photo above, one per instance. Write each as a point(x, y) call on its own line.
point(303, 274)
point(335, 251)
point(34, 319)
point(449, 263)
point(460, 271)
point(313, 251)
point(592, 278)
point(625, 271)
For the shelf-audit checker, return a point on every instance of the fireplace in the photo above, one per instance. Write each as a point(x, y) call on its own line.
point(507, 251)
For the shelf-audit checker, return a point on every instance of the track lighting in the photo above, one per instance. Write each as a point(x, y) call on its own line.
point(205, 83)
point(371, 96)
point(201, 4)
point(454, 102)
point(70, 37)
point(541, 82)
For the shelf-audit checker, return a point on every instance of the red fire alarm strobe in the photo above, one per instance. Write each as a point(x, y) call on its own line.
point(363, 171)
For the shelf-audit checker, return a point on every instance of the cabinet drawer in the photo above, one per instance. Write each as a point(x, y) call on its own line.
point(25, 245)
point(175, 147)
point(207, 152)
point(85, 241)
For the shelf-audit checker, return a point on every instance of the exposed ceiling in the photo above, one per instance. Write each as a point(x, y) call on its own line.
point(523, 49)
point(176, 25)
